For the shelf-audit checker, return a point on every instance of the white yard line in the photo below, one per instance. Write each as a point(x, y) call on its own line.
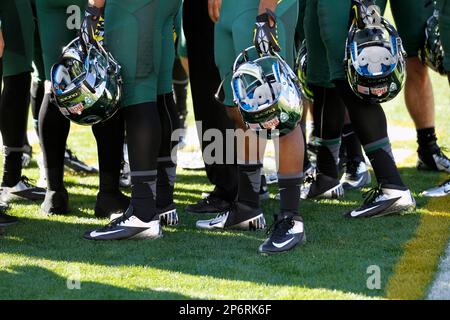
point(440, 289)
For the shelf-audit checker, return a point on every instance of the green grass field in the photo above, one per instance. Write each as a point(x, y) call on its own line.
point(41, 254)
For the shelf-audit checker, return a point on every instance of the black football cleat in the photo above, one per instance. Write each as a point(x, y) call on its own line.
point(23, 190)
point(72, 162)
point(433, 159)
point(356, 175)
point(321, 187)
point(127, 226)
point(168, 216)
point(238, 217)
point(286, 233)
point(384, 200)
point(211, 204)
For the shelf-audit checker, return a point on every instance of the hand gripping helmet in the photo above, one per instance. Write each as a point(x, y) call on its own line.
point(86, 84)
point(301, 64)
point(432, 53)
point(267, 92)
point(375, 61)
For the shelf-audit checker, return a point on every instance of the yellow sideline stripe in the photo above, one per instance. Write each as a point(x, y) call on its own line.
point(416, 268)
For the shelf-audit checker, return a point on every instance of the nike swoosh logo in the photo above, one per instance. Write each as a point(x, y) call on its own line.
point(280, 245)
point(96, 234)
point(347, 134)
point(42, 193)
point(358, 213)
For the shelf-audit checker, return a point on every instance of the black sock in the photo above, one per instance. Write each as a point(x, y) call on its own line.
point(289, 193)
point(12, 166)
point(383, 164)
point(249, 184)
point(13, 124)
point(180, 86)
point(328, 113)
point(166, 165)
point(110, 136)
point(143, 194)
point(143, 129)
point(369, 122)
point(327, 157)
point(427, 140)
point(53, 131)
point(165, 183)
point(351, 144)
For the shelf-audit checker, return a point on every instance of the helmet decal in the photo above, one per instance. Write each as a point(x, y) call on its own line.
point(375, 60)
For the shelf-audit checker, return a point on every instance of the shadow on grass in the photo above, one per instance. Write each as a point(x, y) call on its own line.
point(336, 256)
point(49, 285)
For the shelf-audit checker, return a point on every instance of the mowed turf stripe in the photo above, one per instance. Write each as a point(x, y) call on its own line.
point(416, 268)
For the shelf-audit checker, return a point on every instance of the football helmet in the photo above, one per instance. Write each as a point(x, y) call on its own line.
point(301, 64)
point(432, 53)
point(267, 92)
point(86, 83)
point(375, 61)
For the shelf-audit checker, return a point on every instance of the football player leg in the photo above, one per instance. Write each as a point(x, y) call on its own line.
point(410, 19)
point(369, 121)
point(205, 78)
point(71, 161)
point(444, 28)
point(328, 113)
point(170, 122)
point(5, 220)
point(17, 29)
point(288, 228)
point(140, 67)
point(180, 71)
point(53, 126)
point(110, 136)
point(356, 173)
point(233, 33)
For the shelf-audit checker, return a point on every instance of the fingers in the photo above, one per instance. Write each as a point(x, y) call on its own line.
point(217, 6)
point(214, 9)
point(2, 44)
point(210, 10)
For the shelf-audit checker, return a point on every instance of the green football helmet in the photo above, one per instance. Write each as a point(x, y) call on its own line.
point(86, 84)
point(432, 53)
point(375, 61)
point(267, 92)
point(301, 63)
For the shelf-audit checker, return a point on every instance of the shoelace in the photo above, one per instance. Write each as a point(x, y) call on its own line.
point(116, 221)
point(371, 195)
point(71, 156)
point(441, 151)
point(279, 227)
point(28, 182)
point(351, 167)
